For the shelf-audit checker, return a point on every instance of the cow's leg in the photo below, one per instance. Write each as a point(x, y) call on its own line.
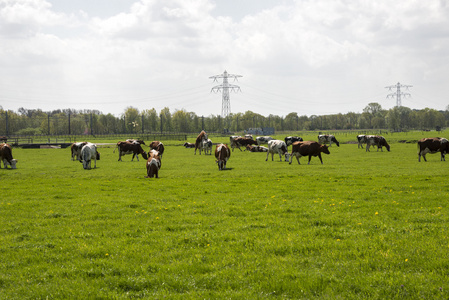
point(267, 156)
point(319, 155)
point(367, 148)
point(310, 157)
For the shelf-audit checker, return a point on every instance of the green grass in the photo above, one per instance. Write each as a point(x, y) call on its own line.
point(363, 225)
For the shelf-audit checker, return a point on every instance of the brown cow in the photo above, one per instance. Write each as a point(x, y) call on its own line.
point(432, 145)
point(130, 148)
point(376, 140)
point(242, 142)
point(153, 164)
point(308, 148)
point(222, 154)
point(76, 150)
point(6, 156)
point(199, 141)
point(158, 146)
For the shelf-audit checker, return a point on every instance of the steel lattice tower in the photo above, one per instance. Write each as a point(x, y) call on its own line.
point(398, 94)
point(225, 87)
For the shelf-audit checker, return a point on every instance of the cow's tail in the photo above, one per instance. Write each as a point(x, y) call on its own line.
point(116, 146)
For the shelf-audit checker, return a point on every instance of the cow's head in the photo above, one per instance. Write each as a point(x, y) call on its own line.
point(325, 149)
point(287, 156)
point(387, 146)
point(97, 156)
point(144, 155)
point(12, 163)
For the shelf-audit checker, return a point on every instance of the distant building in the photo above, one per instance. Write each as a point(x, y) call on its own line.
point(260, 131)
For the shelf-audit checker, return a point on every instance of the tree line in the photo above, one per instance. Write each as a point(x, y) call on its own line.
point(133, 121)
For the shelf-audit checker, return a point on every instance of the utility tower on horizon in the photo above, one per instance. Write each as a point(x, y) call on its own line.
point(398, 94)
point(225, 87)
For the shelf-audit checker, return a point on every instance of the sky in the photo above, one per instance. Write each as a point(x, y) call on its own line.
point(310, 57)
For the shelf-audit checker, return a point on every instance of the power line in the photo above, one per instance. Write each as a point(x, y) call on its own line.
point(398, 93)
point(225, 87)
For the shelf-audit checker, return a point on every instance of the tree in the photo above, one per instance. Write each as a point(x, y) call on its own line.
point(132, 119)
point(166, 119)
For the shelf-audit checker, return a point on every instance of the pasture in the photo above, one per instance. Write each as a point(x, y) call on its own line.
point(362, 226)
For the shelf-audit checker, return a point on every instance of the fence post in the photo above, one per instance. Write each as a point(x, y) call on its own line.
point(7, 123)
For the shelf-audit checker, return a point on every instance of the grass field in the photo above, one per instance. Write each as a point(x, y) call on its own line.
point(365, 225)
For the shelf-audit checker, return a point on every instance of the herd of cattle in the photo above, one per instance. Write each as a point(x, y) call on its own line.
point(85, 152)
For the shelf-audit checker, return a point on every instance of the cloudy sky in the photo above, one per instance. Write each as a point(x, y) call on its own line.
point(306, 56)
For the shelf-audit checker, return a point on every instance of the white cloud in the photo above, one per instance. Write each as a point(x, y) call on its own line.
point(161, 53)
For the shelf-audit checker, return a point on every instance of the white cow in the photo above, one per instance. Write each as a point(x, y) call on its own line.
point(89, 152)
point(263, 140)
point(278, 146)
point(207, 146)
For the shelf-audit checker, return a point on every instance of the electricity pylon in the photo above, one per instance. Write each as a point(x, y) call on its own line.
point(398, 93)
point(225, 87)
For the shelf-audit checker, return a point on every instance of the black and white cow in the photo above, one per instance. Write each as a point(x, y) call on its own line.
point(89, 152)
point(263, 140)
point(378, 141)
point(207, 146)
point(432, 145)
point(289, 140)
point(279, 147)
point(361, 139)
point(328, 138)
point(75, 148)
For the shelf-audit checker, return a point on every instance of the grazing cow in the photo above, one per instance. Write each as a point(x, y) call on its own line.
point(6, 156)
point(328, 138)
point(130, 148)
point(199, 140)
point(89, 152)
point(308, 148)
point(432, 146)
point(158, 146)
point(263, 140)
point(242, 142)
point(222, 154)
point(361, 139)
point(189, 145)
point(291, 139)
point(277, 146)
point(376, 140)
point(76, 150)
point(231, 141)
point(256, 148)
point(153, 164)
point(207, 146)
